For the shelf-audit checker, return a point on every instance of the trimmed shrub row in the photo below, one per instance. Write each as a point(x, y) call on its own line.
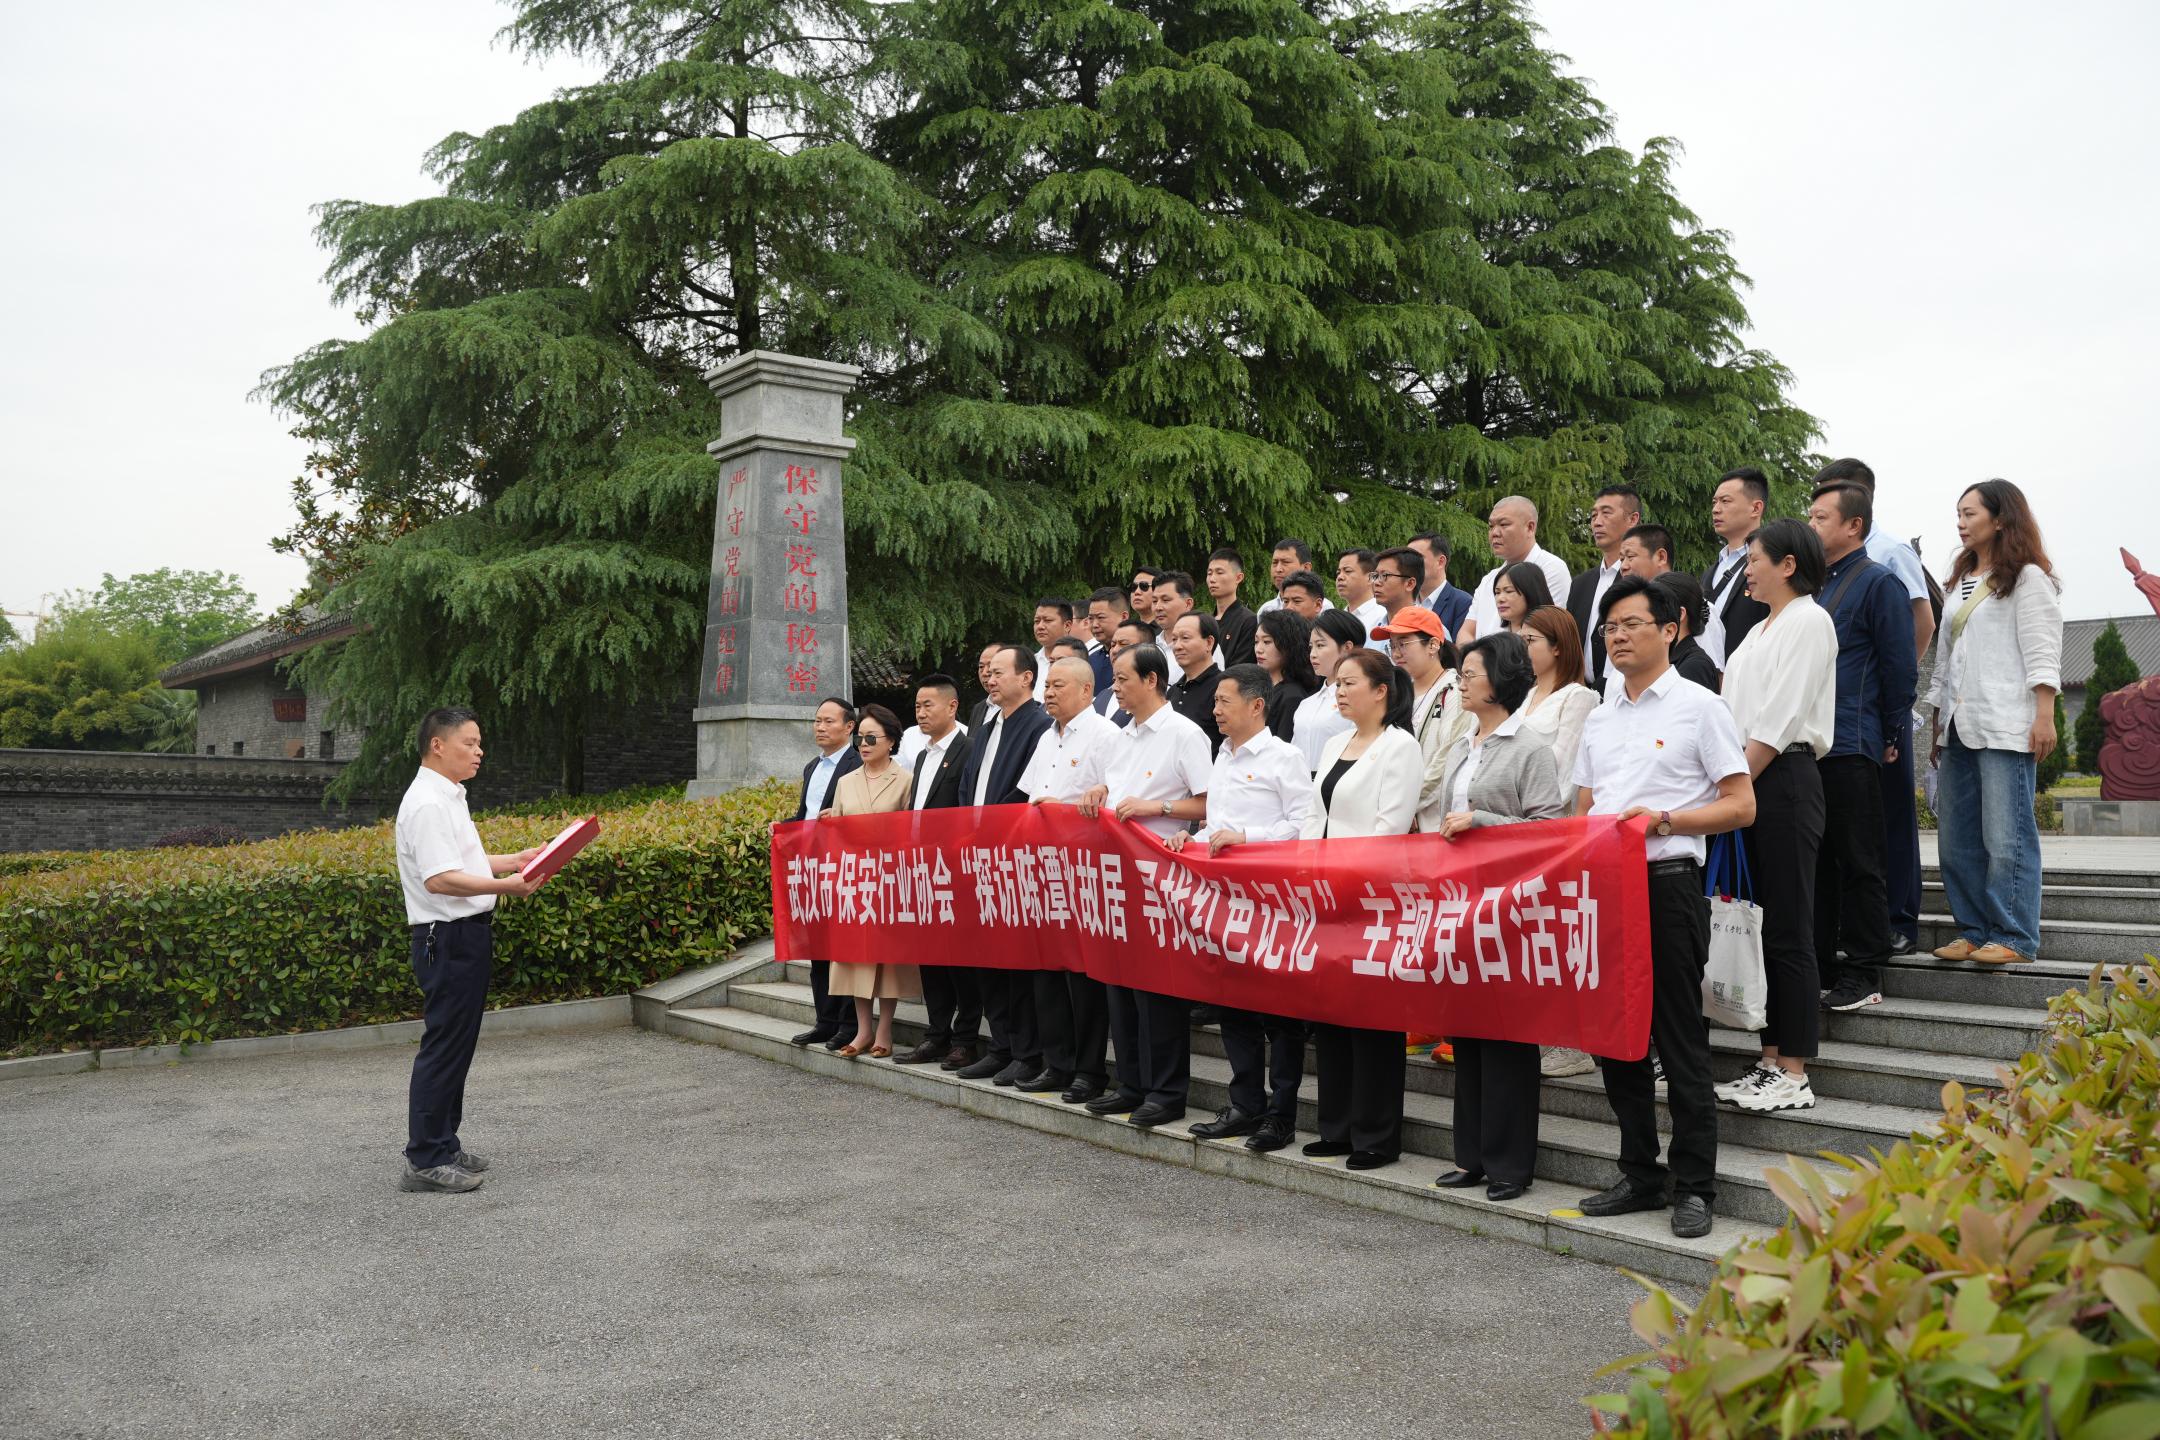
point(307, 932)
point(1998, 1278)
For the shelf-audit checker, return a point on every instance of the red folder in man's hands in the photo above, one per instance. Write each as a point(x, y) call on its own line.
point(557, 852)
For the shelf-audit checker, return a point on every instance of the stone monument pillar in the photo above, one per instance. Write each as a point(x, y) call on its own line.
point(776, 637)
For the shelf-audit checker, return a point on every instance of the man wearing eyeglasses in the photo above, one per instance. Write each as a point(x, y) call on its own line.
point(1667, 750)
point(1396, 581)
point(833, 729)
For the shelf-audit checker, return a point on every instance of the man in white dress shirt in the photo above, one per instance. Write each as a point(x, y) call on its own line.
point(451, 884)
point(1154, 774)
point(1072, 1012)
point(1258, 791)
point(1053, 621)
point(1354, 582)
point(1288, 557)
point(1736, 512)
point(1511, 530)
point(1666, 749)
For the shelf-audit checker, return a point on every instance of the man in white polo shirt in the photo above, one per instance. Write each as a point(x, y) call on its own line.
point(1072, 1014)
point(1154, 773)
point(1512, 532)
point(450, 884)
point(1258, 791)
point(1668, 749)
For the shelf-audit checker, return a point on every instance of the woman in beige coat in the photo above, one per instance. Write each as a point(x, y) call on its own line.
point(879, 786)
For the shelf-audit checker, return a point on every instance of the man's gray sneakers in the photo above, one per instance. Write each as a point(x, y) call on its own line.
point(447, 1179)
point(466, 1160)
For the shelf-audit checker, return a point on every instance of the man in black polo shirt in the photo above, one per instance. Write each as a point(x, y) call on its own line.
point(1663, 748)
point(1192, 646)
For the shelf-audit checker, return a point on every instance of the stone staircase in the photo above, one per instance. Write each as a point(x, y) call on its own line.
point(1878, 1079)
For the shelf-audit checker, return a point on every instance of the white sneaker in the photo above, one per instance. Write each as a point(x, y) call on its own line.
point(1560, 1061)
point(1762, 1072)
point(1783, 1091)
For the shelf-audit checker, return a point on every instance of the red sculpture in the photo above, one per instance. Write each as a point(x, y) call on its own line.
point(2130, 756)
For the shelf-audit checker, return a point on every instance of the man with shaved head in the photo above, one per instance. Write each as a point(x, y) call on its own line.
point(1512, 532)
point(1072, 1012)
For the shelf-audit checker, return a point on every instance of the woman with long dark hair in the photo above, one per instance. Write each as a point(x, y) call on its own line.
point(1318, 719)
point(1282, 646)
point(1367, 785)
point(1998, 665)
point(1518, 591)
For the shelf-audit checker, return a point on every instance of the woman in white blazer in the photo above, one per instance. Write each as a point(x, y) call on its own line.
point(1998, 664)
point(1367, 785)
point(1558, 703)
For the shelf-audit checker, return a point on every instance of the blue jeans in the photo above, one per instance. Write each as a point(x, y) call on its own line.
point(1989, 845)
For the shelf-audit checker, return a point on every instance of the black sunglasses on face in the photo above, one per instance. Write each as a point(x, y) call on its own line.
point(866, 738)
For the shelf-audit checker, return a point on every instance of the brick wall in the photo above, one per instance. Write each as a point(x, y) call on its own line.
point(95, 800)
point(241, 710)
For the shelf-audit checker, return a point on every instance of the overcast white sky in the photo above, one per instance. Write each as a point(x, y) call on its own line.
point(1945, 209)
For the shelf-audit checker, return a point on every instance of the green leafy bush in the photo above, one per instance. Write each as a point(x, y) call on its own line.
point(1998, 1278)
point(40, 862)
point(560, 806)
point(307, 931)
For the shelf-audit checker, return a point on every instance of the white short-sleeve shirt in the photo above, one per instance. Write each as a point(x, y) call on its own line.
point(1665, 750)
point(435, 834)
point(1058, 770)
point(1262, 788)
point(1164, 757)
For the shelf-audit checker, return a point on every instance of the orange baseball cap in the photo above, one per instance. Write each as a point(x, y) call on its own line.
point(1411, 620)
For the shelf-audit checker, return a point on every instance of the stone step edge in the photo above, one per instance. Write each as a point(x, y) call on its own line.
point(2148, 932)
point(1891, 1123)
point(1641, 1242)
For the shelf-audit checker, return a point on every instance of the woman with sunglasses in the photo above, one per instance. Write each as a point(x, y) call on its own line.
point(879, 786)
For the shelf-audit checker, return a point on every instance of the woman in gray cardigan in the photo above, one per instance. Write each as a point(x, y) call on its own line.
point(1500, 774)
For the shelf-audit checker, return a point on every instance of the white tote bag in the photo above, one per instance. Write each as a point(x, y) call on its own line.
point(1735, 992)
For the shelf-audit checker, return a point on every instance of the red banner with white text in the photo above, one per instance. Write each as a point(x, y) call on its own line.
point(1536, 932)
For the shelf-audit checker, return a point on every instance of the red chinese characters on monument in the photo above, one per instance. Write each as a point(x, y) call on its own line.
point(801, 480)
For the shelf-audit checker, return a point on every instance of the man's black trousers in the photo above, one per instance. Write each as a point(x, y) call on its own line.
point(1852, 907)
point(452, 960)
point(1267, 1062)
point(1679, 948)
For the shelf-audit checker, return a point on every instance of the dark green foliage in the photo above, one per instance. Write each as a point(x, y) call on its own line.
point(1998, 1277)
point(2052, 769)
point(307, 932)
point(2112, 670)
point(1128, 281)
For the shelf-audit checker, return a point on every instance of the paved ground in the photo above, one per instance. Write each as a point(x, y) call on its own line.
point(663, 1250)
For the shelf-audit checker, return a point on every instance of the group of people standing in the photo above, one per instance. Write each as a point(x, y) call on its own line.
point(1767, 704)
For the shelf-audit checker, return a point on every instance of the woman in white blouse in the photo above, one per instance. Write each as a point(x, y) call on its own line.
point(1998, 664)
point(1559, 702)
point(1781, 685)
point(1318, 718)
point(1557, 706)
point(1367, 785)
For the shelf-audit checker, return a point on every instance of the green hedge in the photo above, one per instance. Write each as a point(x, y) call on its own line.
point(307, 932)
point(1999, 1278)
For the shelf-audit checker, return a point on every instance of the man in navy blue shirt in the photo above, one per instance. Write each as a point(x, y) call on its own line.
point(1876, 672)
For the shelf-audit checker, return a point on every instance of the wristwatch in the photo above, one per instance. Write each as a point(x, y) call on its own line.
point(1664, 824)
point(1166, 807)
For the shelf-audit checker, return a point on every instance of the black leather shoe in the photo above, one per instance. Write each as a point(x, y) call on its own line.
point(840, 1042)
point(1080, 1091)
point(1153, 1113)
point(1460, 1179)
point(1206, 1015)
point(1011, 1074)
point(1369, 1159)
point(922, 1054)
point(1506, 1190)
point(815, 1035)
point(982, 1069)
point(1043, 1081)
point(1625, 1198)
point(1274, 1133)
point(1228, 1122)
point(959, 1057)
point(1117, 1102)
point(1321, 1149)
point(1690, 1217)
